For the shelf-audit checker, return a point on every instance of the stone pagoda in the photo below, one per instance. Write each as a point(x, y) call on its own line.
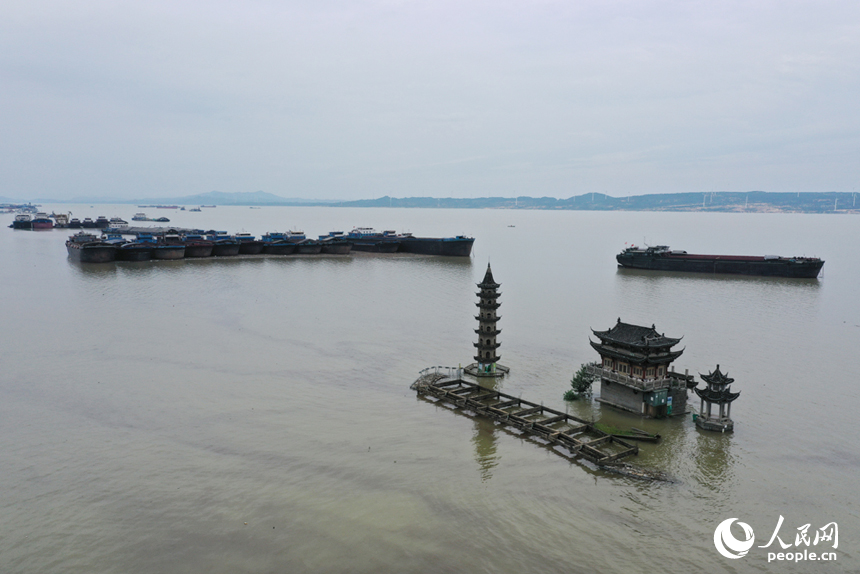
point(487, 356)
point(717, 392)
point(634, 370)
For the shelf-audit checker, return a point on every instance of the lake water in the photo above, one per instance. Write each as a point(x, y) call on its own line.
point(254, 414)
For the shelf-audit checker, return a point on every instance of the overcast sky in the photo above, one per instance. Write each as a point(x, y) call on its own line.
point(466, 98)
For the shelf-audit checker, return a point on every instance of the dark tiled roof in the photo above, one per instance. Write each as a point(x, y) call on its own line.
point(717, 397)
point(717, 378)
point(635, 336)
point(488, 282)
point(636, 357)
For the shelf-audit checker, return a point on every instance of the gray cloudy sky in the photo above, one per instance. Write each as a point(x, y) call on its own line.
point(467, 98)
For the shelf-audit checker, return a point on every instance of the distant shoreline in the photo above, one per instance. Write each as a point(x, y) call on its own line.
point(719, 202)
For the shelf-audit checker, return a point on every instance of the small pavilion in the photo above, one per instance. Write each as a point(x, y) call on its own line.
point(716, 393)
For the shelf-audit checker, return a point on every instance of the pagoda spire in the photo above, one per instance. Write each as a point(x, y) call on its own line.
point(489, 282)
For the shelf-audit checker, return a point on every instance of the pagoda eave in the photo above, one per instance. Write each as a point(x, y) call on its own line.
point(485, 347)
point(717, 397)
point(488, 294)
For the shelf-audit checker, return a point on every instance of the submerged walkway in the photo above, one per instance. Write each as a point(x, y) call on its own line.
point(578, 437)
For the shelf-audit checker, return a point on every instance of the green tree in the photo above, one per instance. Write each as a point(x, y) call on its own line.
point(580, 384)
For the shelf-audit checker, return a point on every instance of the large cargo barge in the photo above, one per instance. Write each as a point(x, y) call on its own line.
point(42, 221)
point(459, 246)
point(661, 258)
point(87, 248)
point(175, 243)
point(22, 221)
point(367, 239)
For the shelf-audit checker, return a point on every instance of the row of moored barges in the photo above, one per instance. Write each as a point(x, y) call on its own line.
point(42, 220)
point(112, 246)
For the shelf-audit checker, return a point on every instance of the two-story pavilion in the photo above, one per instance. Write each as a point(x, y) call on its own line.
point(634, 370)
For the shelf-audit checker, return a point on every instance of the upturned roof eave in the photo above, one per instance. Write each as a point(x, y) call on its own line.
point(657, 359)
point(725, 397)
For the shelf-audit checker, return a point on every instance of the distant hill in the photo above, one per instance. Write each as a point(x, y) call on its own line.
point(721, 201)
point(717, 201)
point(209, 198)
point(240, 198)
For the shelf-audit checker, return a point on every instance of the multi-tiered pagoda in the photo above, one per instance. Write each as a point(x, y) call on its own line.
point(487, 356)
point(634, 370)
point(716, 393)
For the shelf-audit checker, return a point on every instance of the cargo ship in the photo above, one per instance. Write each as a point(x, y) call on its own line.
point(367, 239)
point(277, 244)
point(87, 248)
point(42, 221)
point(138, 250)
point(22, 221)
point(249, 245)
point(661, 258)
point(117, 223)
point(197, 246)
point(335, 243)
point(458, 246)
point(224, 245)
point(61, 220)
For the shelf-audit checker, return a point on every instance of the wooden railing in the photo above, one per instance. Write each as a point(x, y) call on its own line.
point(621, 378)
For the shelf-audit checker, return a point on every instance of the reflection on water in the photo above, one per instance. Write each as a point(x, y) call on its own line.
point(204, 394)
point(485, 435)
point(92, 270)
point(645, 277)
point(714, 461)
point(485, 447)
point(460, 265)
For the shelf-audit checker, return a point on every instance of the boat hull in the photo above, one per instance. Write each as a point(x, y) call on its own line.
point(793, 267)
point(201, 249)
point(250, 247)
point(308, 248)
point(168, 252)
point(226, 249)
point(444, 246)
point(134, 253)
point(279, 248)
point(337, 247)
point(91, 253)
point(39, 225)
point(376, 246)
